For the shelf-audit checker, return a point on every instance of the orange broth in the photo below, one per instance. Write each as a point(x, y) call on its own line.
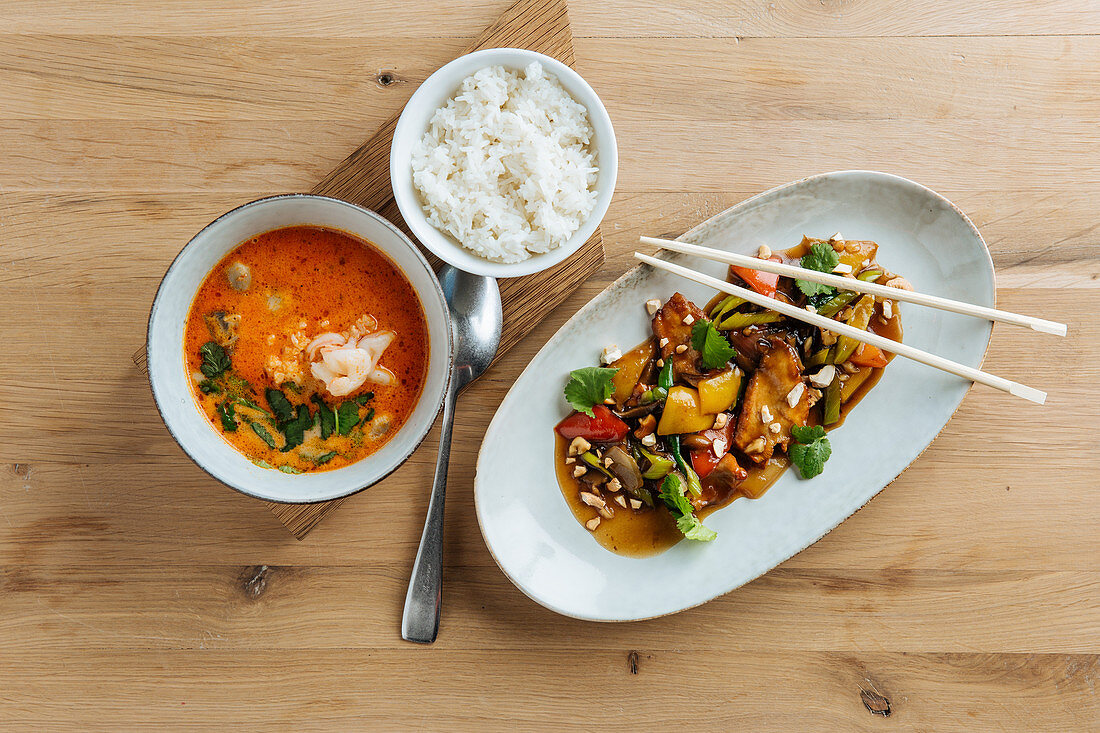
point(320, 280)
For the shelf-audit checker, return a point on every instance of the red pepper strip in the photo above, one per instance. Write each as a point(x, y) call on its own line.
point(705, 459)
point(605, 427)
point(869, 356)
point(764, 283)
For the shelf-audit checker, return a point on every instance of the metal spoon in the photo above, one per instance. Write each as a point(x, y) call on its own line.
point(476, 320)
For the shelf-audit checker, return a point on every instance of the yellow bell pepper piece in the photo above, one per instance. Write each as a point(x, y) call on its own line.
point(630, 366)
point(719, 392)
point(682, 413)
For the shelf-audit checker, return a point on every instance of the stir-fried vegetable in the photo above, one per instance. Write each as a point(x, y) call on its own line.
point(719, 393)
point(672, 494)
point(860, 318)
point(602, 427)
point(719, 388)
point(693, 484)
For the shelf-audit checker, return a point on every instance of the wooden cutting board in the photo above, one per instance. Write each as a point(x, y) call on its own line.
point(363, 178)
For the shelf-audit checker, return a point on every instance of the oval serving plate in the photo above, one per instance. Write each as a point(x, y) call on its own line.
point(547, 554)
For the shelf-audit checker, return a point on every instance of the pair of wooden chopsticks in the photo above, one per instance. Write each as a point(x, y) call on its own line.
point(859, 286)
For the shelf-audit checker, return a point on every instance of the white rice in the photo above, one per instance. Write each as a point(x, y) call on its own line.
point(505, 166)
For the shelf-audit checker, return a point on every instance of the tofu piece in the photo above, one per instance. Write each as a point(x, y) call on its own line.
point(766, 403)
point(672, 325)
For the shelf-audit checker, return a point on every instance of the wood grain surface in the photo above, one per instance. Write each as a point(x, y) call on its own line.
point(137, 593)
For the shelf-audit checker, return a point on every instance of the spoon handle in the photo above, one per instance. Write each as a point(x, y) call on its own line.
point(420, 620)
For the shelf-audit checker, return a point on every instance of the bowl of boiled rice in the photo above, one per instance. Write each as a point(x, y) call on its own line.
point(503, 162)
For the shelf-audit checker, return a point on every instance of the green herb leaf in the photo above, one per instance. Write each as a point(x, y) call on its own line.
point(347, 417)
point(280, 405)
point(370, 415)
point(294, 430)
point(262, 463)
point(265, 436)
point(810, 451)
point(672, 494)
point(328, 417)
point(364, 398)
point(208, 387)
point(293, 387)
point(714, 347)
point(823, 258)
point(251, 405)
point(324, 458)
point(214, 360)
point(589, 387)
point(289, 469)
point(227, 413)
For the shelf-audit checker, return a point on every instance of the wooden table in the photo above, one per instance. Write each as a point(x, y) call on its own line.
point(135, 590)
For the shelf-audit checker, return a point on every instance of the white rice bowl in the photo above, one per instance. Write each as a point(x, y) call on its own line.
point(505, 167)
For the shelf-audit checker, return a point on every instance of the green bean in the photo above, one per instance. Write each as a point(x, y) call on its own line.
point(740, 320)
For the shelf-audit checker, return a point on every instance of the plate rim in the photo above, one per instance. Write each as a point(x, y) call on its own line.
point(631, 272)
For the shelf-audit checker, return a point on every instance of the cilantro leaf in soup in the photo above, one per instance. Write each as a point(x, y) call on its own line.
point(265, 436)
point(347, 417)
point(226, 412)
point(810, 451)
point(214, 360)
point(207, 386)
point(327, 416)
point(713, 346)
point(370, 415)
point(295, 429)
point(324, 458)
point(589, 387)
point(823, 258)
point(280, 405)
point(289, 469)
point(364, 398)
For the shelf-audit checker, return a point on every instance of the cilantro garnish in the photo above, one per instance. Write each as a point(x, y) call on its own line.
point(823, 258)
point(672, 494)
point(714, 347)
point(295, 429)
point(280, 405)
point(214, 360)
point(364, 398)
point(265, 436)
point(347, 417)
point(810, 451)
point(589, 387)
point(226, 412)
point(289, 469)
point(324, 458)
point(328, 417)
point(206, 386)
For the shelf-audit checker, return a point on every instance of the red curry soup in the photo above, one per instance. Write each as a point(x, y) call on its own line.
point(307, 348)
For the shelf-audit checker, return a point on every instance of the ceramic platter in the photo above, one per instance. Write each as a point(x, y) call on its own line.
point(526, 523)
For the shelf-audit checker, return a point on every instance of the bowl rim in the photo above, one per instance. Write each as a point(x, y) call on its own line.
point(437, 290)
point(442, 244)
